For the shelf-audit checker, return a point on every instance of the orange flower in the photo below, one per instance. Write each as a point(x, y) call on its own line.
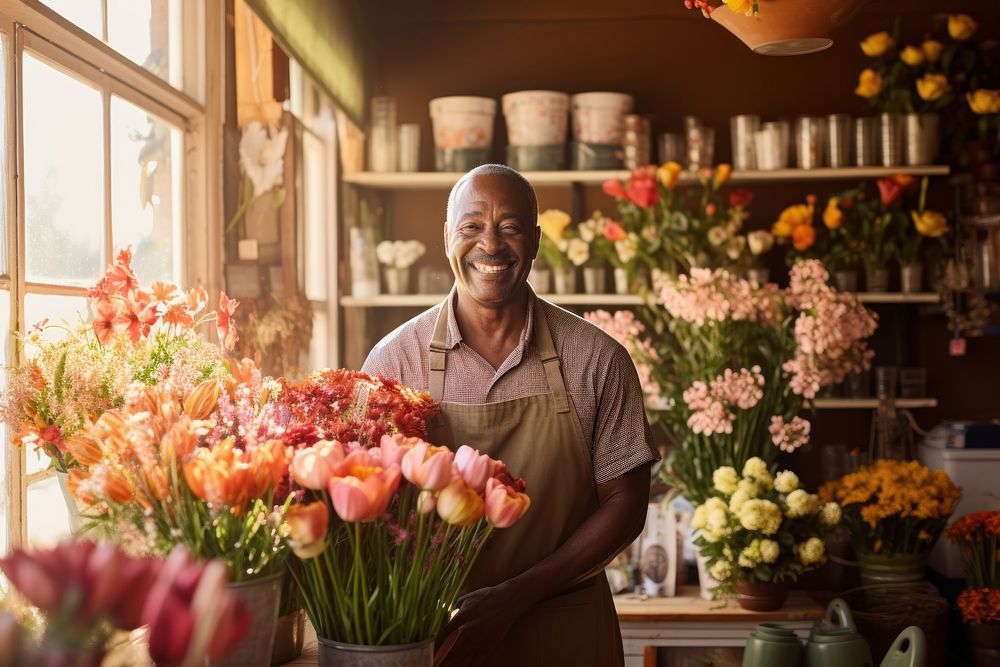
point(108, 320)
point(307, 526)
point(364, 493)
point(202, 400)
point(721, 175)
point(803, 237)
point(163, 292)
point(223, 322)
point(84, 448)
point(980, 605)
point(459, 504)
point(668, 174)
point(116, 488)
point(504, 505)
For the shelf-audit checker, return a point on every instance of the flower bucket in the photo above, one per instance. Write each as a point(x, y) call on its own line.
point(540, 278)
point(761, 595)
point(262, 597)
point(922, 138)
point(599, 118)
point(594, 279)
point(397, 280)
point(535, 117)
point(622, 285)
point(876, 278)
point(892, 568)
point(289, 637)
point(846, 281)
point(339, 654)
point(891, 132)
point(463, 122)
point(73, 512)
point(911, 278)
point(565, 279)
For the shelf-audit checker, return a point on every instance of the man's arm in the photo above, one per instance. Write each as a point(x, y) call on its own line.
point(488, 613)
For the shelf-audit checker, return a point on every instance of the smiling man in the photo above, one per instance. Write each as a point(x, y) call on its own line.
point(560, 403)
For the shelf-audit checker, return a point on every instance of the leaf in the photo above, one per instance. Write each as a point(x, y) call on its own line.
point(60, 377)
point(278, 196)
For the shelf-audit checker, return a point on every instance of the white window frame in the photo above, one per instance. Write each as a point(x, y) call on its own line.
point(30, 25)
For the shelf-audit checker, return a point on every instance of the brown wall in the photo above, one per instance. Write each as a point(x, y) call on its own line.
point(675, 63)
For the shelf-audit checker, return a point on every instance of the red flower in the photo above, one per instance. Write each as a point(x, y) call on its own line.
point(223, 325)
point(891, 188)
point(614, 188)
point(139, 315)
point(120, 278)
point(178, 315)
point(108, 320)
point(740, 197)
point(614, 232)
point(642, 191)
point(710, 208)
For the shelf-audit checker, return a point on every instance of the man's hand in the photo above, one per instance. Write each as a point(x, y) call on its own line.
point(481, 624)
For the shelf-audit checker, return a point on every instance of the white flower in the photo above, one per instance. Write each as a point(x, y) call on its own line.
point(718, 235)
point(831, 514)
point(385, 252)
point(786, 481)
point(588, 230)
point(262, 156)
point(721, 570)
point(578, 252)
point(627, 248)
point(769, 551)
point(811, 551)
point(801, 503)
point(650, 234)
point(399, 254)
point(725, 479)
point(760, 241)
point(735, 247)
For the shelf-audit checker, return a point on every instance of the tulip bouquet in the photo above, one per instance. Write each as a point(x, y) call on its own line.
point(385, 536)
point(85, 591)
point(138, 335)
point(738, 363)
point(759, 527)
point(977, 535)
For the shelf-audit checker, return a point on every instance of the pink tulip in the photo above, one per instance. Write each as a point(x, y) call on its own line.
point(364, 494)
point(307, 526)
point(392, 448)
point(504, 505)
point(39, 585)
point(459, 504)
point(426, 502)
point(475, 468)
point(428, 467)
point(313, 467)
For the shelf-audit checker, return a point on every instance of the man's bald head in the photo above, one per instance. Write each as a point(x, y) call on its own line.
point(491, 170)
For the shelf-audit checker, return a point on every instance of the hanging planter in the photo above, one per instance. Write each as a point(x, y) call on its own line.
point(789, 27)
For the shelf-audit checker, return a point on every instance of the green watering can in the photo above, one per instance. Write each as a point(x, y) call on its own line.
point(909, 649)
point(836, 642)
point(772, 645)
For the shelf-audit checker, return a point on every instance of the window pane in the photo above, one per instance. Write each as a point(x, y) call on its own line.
point(147, 33)
point(5, 513)
point(145, 201)
point(63, 177)
point(57, 309)
point(3, 159)
point(48, 520)
point(319, 344)
point(84, 13)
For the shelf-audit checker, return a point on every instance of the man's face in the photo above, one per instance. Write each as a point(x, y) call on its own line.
point(493, 238)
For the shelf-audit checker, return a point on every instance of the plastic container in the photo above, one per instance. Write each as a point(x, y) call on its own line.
point(599, 118)
point(976, 471)
point(463, 122)
point(536, 117)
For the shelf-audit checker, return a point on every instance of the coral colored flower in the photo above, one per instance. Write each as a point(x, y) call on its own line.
point(614, 188)
point(889, 191)
point(428, 467)
point(459, 504)
point(163, 292)
point(223, 324)
point(84, 448)
point(120, 280)
point(803, 237)
point(178, 315)
point(392, 448)
point(504, 505)
point(641, 191)
point(364, 494)
point(202, 401)
point(314, 466)
point(877, 44)
point(197, 298)
point(307, 526)
point(107, 320)
point(475, 468)
point(614, 232)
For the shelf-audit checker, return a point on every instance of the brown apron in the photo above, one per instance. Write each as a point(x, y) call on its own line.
point(541, 440)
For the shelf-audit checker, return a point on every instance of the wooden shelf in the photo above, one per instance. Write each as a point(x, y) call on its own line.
point(688, 606)
point(428, 180)
point(871, 403)
point(427, 300)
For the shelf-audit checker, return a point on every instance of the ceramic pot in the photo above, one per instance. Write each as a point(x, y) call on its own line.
point(891, 568)
point(984, 644)
point(761, 595)
point(791, 27)
point(771, 645)
point(73, 508)
point(339, 654)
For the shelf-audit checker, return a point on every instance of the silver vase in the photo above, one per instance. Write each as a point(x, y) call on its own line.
point(846, 281)
point(340, 654)
point(922, 138)
point(911, 278)
point(565, 279)
point(397, 281)
point(876, 278)
point(594, 279)
point(262, 597)
point(540, 278)
point(621, 282)
point(892, 131)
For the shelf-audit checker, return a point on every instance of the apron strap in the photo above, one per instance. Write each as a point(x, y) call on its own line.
point(438, 354)
point(550, 360)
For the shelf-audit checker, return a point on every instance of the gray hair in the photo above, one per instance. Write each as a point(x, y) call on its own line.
point(490, 170)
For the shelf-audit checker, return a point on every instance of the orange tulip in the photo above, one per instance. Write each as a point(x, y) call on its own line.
point(202, 400)
point(668, 174)
point(116, 487)
point(156, 480)
point(75, 482)
point(179, 441)
point(270, 460)
point(803, 237)
point(721, 175)
point(364, 494)
point(459, 504)
point(313, 467)
point(307, 525)
point(504, 505)
point(428, 467)
point(84, 448)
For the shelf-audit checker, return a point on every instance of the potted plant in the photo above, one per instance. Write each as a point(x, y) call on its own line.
point(923, 223)
point(895, 511)
point(977, 535)
point(396, 258)
point(600, 250)
point(842, 253)
point(758, 532)
point(560, 249)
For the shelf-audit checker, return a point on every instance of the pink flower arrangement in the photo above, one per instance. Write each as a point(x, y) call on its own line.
point(84, 590)
point(404, 518)
point(711, 404)
point(789, 436)
point(625, 328)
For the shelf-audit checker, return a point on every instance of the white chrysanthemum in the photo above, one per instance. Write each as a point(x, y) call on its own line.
point(725, 479)
point(830, 514)
point(800, 503)
point(760, 515)
point(578, 252)
point(811, 551)
point(721, 570)
point(769, 551)
point(786, 481)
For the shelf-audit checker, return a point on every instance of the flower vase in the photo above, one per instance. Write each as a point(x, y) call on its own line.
point(565, 279)
point(911, 278)
point(922, 138)
point(761, 595)
point(758, 276)
point(262, 597)
point(397, 280)
point(540, 279)
point(73, 510)
point(887, 568)
point(876, 278)
point(706, 582)
point(622, 285)
point(846, 280)
point(891, 130)
point(984, 644)
point(289, 637)
point(339, 654)
point(594, 279)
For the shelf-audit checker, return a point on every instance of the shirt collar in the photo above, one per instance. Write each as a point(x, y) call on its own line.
point(454, 336)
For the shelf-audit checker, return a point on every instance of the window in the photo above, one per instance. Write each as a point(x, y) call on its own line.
point(105, 156)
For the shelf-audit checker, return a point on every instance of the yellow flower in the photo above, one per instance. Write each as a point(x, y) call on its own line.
point(869, 84)
point(668, 173)
point(725, 479)
point(877, 44)
point(721, 175)
point(961, 26)
point(740, 6)
point(930, 223)
point(833, 217)
point(984, 101)
point(932, 87)
point(932, 49)
point(912, 56)
point(792, 217)
point(553, 223)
